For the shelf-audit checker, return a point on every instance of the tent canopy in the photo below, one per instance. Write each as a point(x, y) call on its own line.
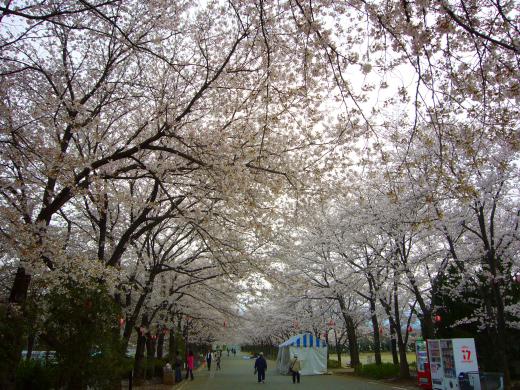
point(311, 351)
point(304, 340)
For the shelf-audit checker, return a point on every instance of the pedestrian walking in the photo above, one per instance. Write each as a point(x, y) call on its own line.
point(208, 360)
point(217, 360)
point(260, 367)
point(178, 366)
point(295, 368)
point(190, 363)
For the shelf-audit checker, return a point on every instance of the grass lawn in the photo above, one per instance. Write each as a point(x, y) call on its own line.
point(366, 356)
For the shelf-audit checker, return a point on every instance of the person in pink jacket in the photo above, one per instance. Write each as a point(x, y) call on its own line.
point(190, 362)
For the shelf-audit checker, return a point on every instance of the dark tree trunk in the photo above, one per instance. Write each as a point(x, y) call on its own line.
point(393, 342)
point(492, 264)
point(150, 346)
point(139, 357)
point(352, 342)
point(21, 283)
point(12, 339)
point(172, 345)
point(132, 319)
point(30, 345)
point(377, 340)
point(338, 347)
point(427, 326)
point(150, 354)
point(351, 334)
point(404, 369)
point(375, 323)
point(160, 345)
point(139, 350)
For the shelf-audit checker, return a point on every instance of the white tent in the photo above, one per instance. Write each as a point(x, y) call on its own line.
point(311, 351)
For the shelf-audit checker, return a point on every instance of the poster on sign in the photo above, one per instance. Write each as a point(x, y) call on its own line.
point(453, 364)
point(465, 355)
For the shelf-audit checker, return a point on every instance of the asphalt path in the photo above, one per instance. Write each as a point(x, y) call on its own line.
point(237, 373)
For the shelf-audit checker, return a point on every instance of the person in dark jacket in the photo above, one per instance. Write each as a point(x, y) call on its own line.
point(209, 357)
point(178, 366)
point(261, 367)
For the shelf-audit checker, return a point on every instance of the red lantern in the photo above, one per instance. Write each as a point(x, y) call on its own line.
point(224, 324)
point(165, 331)
point(380, 330)
point(331, 323)
point(437, 318)
point(410, 329)
point(121, 322)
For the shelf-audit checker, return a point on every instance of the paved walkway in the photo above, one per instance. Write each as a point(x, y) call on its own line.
point(237, 374)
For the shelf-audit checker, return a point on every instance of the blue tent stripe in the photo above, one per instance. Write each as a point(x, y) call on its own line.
point(304, 339)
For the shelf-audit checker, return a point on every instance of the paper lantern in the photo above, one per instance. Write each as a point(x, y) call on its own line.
point(121, 322)
point(410, 329)
point(437, 318)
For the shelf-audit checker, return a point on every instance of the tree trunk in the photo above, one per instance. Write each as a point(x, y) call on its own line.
point(12, 338)
point(30, 345)
point(160, 345)
point(172, 345)
point(393, 339)
point(132, 319)
point(404, 369)
point(338, 347)
point(375, 325)
point(493, 265)
point(427, 326)
point(150, 346)
point(352, 342)
point(150, 354)
point(139, 350)
point(351, 334)
point(498, 329)
point(139, 358)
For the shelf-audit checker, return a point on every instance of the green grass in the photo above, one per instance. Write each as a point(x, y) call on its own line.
point(386, 357)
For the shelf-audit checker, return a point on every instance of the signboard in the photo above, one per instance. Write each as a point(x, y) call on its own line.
point(453, 360)
point(436, 369)
point(423, 367)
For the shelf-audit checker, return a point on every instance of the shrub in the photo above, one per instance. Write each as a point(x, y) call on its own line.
point(36, 375)
point(81, 326)
point(333, 364)
point(383, 371)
